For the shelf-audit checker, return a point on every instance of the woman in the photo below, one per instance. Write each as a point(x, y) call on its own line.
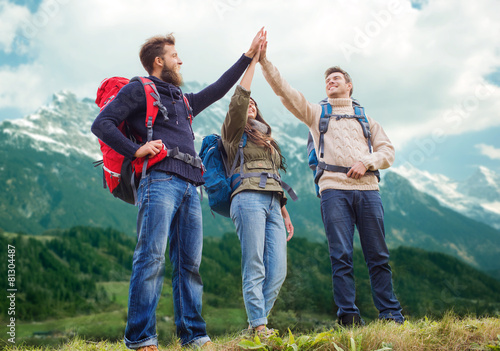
point(257, 212)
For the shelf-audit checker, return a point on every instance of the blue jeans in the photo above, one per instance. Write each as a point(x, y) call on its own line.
point(169, 210)
point(259, 224)
point(341, 210)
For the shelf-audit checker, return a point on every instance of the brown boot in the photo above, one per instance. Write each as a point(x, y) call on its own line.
point(208, 346)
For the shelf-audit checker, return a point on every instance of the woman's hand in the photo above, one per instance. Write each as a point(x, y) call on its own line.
point(263, 48)
point(288, 223)
point(289, 228)
point(256, 43)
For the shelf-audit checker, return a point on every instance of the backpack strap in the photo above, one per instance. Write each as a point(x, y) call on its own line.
point(187, 158)
point(153, 105)
point(239, 155)
point(189, 109)
point(262, 175)
point(365, 125)
point(324, 121)
point(322, 166)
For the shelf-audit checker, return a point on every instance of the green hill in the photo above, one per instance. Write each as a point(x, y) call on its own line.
point(449, 333)
point(84, 272)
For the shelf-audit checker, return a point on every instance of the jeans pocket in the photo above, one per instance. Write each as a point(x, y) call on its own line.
point(158, 176)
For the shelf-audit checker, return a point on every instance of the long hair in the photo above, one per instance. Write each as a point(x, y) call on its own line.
point(262, 139)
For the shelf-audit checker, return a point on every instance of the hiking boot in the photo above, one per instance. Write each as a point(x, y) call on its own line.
point(247, 332)
point(265, 332)
point(351, 320)
point(148, 348)
point(209, 345)
point(262, 333)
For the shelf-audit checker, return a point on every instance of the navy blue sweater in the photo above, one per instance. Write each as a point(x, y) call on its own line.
point(130, 105)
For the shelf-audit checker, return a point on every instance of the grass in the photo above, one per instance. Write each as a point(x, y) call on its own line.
point(449, 333)
point(110, 325)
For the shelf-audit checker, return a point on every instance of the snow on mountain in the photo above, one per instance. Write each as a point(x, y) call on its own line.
point(483, 184)
point(477, 197)
point(63, 126)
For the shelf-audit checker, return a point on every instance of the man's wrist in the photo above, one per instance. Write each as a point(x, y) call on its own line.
point(264, 61)
point(250, 53)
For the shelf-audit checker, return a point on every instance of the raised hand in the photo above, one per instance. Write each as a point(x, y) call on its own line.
point(256, 42)
point(263, 48)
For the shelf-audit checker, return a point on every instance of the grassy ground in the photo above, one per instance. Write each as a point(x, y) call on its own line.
point(110, 325)
point(449, 333)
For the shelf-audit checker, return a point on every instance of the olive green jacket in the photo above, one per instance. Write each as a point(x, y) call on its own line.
point(256, 158)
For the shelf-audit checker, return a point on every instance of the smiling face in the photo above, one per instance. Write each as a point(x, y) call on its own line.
point(170, 64)
point(252, 109)
point(171, 58)
point(336, 86)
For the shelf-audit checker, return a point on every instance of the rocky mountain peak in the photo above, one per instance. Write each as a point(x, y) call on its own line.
point(62, 126)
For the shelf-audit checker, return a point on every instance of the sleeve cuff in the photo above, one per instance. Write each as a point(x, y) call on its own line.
point(242, 91)
point(366, 162)
point(246, 58)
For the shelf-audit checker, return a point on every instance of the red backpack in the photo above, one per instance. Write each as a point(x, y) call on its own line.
point(120, 174)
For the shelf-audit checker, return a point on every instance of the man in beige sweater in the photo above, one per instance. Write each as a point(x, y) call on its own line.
point(349, 198)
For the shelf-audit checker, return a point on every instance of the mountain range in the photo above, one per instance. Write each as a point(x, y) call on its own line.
point(477, 197)
point(49, 182)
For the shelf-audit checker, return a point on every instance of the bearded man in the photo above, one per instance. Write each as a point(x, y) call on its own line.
point(169, 206)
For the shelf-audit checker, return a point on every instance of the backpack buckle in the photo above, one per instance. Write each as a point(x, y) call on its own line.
point(263, 179)
point(188, 158)
point(323, 125)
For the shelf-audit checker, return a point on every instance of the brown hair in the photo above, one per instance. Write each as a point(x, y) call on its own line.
point(264, 140)
point(346, 75)
point(154, 47)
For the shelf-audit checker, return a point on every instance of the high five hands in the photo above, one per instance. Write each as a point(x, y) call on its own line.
point(256, 45)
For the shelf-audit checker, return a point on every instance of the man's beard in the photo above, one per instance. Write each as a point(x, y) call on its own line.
point(169, 76)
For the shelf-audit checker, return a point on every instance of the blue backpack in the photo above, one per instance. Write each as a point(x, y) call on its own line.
point(217, 173)
point(221, 181)
point(318, 167)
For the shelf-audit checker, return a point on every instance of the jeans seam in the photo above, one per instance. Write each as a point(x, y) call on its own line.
point(179, 278)
point(179, 269)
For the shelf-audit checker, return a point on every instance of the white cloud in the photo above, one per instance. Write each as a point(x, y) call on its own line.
point(417, 72)
point(23, 88)
point(489, 151)
point(11, 17)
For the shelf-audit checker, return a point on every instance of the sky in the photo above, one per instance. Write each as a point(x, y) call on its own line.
point(427, 71)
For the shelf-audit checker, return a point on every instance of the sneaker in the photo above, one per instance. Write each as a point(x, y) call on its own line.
point(247, 332)
point(262, 333)
point(351, 320)
point(209, 345)
point(265, 332)
point(148, 348)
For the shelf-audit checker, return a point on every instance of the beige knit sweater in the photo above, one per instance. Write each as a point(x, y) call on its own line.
point(345, 143)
